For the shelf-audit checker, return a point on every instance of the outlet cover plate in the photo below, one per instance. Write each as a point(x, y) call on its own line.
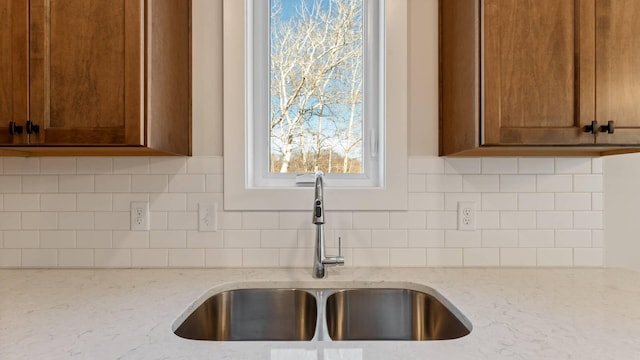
point(467, 216)
point(140, 216)
point(207, 217)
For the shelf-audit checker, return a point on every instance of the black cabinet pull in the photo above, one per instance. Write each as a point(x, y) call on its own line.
point(609, 128)
point(593, 128)
point(14, 129)
point(32, 128)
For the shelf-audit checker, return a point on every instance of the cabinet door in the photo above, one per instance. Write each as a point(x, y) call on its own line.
point(86, 72)
point(538, 72)
point(14, 78)
point(618, 70)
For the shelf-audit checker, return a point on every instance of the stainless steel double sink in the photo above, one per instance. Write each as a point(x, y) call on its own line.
point(298, 314)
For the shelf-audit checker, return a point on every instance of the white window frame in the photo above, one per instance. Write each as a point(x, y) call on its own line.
point(242, 192)
point(258, 92)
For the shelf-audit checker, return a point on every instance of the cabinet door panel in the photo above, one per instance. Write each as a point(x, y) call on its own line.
point(86, 62)
point(618, 69)
point(533, 72)
point(14, 80)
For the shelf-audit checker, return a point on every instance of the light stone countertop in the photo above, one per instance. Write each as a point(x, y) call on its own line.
point(129, 314)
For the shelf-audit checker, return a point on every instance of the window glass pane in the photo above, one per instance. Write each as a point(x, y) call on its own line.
point(316, 84)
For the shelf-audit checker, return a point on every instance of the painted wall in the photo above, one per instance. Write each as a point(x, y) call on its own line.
point(74, 212)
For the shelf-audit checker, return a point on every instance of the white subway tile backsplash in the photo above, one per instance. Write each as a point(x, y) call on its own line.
point(111, 220)
point(535, 201)
point(555, 220)
point(10, 184)
point(57, 165)
point(260, 220)
point(21, 240)
point(444, 258)
point(425, 201)
point(39, 258)
point(588, 257)
point(187, 183)
point(517, 183)
point(481, 183)
point(76, 183)
point(444, 183)
point(518, 257)
point(94, 239)
point(587, 183)
point(499, 201)
point(186, 258)
point(58, 202)
point(481, 257)
point(75, 220)
point(10, 221)
point(168, 239)
point(408, 220)
point(371, 220)
point(149, 183)
point(10, 258)
point(500, 165)
point(369, 257)
point(94, 165)
point(260, 257)
point(462, 239)
point(39, 220)
point(75, 212)
point(112, 258)
point(536, 166)
point(127, 239)
point(168, 165)
point(183, 221)
point(130, 165)
point(39, 184)
point(408, 257)
point(554, 183)
point(278, 238)
point(21, 166)
point(22, 202)
point(389, 238)
point(221, 258)
point(112, 183)
point(573, 238)
point(416, 183)
point(499, 238)
point(57, 239)
point(555, 257)
point(426, 238)
point(94, 202)
point(426, 165)
point(149, 258)
point(462, 166)
point(75, 258)
point(536, 238)
point(573, 165)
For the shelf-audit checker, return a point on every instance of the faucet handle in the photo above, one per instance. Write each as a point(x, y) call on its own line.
point(339, 246)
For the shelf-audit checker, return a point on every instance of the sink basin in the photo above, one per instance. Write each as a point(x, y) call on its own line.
point(299, 314)
point(390, 314)
point(253, 314)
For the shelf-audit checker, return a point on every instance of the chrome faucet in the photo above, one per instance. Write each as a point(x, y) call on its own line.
point(319, 258)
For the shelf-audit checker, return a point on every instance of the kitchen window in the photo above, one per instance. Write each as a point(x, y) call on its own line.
point(309, 91)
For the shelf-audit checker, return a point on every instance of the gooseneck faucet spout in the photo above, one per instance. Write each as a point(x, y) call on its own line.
point(320, 259)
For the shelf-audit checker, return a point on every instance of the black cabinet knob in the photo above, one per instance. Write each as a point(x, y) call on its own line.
point(609, 128)
point(14, 129)
point(593, 128)
point(32, 128)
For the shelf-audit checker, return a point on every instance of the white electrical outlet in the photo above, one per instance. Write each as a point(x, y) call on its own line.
point(207, 216)
point(140, 215)
point(467, 215)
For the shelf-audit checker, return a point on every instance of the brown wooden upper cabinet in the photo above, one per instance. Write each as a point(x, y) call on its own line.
point(539, 77)
point(95, 77)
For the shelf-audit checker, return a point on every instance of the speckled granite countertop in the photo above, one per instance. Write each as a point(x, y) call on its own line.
point(129, 314)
